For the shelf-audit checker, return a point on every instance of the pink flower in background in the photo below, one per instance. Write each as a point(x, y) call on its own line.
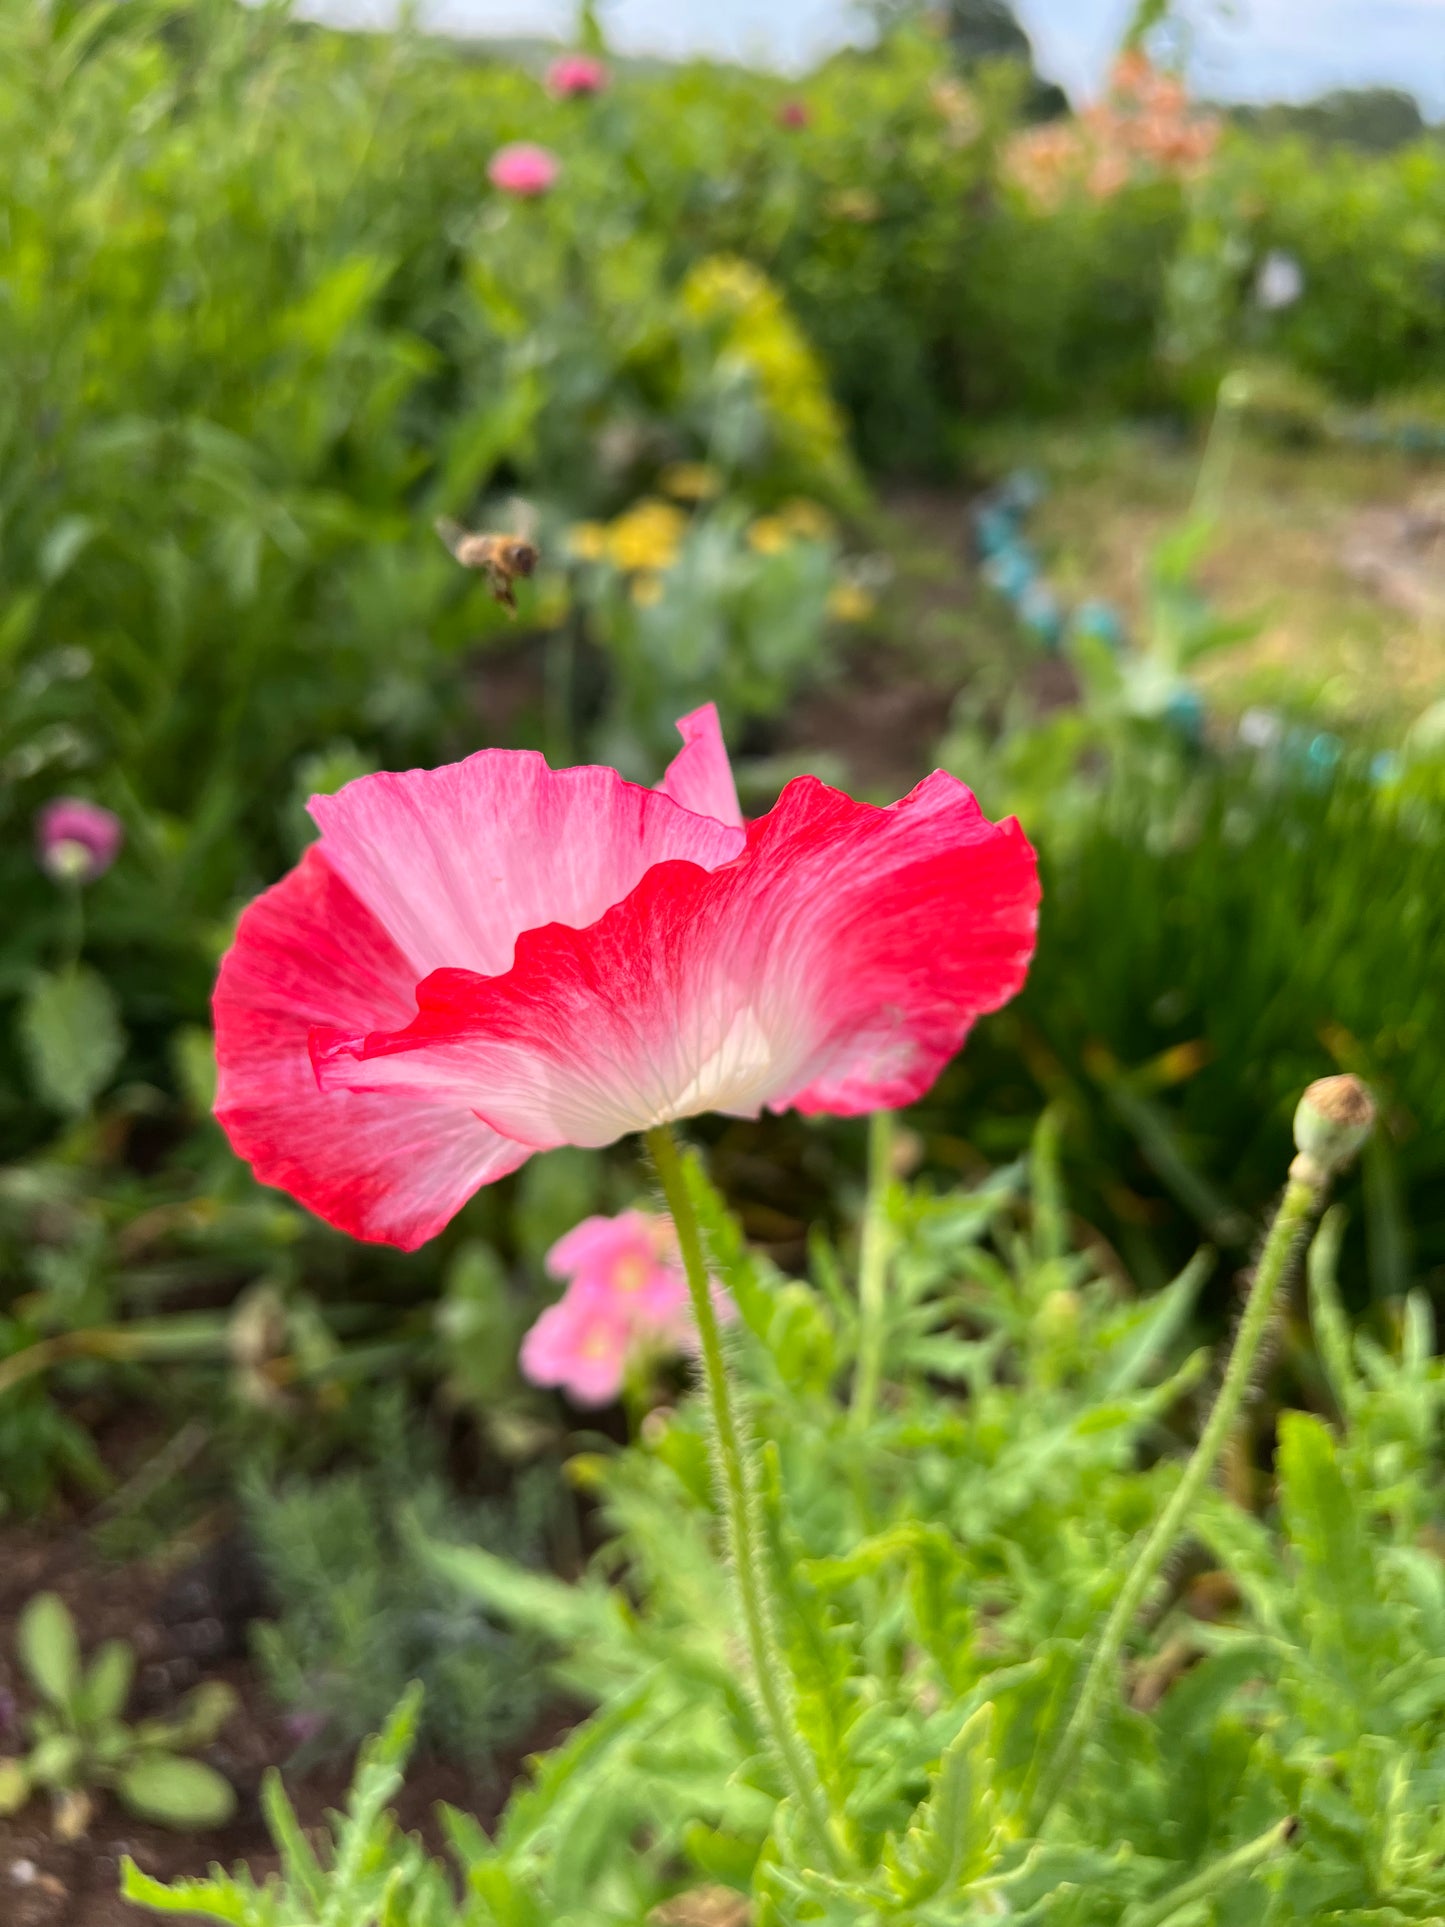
point(478, 962)
point(581, 1345)
point(524, 169)
point(633, 1257)
point(794, 114)
point(571, 75)
point(626, 1297)
point(77, 841)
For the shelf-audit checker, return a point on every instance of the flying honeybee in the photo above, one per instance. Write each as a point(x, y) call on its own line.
point(500, 558)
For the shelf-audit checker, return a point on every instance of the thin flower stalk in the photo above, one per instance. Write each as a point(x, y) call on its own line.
point(875, 1252)
point(1325, 1141)
point(746, 1547)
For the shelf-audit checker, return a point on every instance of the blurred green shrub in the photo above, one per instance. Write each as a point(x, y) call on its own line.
point(360, 1612)
point(1368, 235)
point(1215, 933)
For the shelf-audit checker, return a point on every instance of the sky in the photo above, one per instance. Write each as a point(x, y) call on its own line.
point(1242, 49)
point(1262, 49)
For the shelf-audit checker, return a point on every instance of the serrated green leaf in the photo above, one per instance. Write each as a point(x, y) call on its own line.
point(1338, 1598)
point(215, 1899)
point(299, 1866)
point(71, 1033)
point(951, 1840)
point(49, 1651)
point(1153, 1329)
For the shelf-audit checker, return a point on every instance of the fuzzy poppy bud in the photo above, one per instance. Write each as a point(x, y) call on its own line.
point(1334, 1118)
point(77, 841)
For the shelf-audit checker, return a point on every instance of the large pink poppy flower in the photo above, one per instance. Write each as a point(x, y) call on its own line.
point(482, 961)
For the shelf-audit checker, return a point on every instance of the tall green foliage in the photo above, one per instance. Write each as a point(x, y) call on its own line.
point(1273, 1755)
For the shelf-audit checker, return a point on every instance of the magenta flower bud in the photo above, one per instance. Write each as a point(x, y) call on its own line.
point(77, 841)
point(794, 114)
point(574, 75)
point(524, 169)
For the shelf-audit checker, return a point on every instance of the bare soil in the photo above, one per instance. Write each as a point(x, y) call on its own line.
point(186, 1623)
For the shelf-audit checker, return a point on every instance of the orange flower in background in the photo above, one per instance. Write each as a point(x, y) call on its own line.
point(1142, 129)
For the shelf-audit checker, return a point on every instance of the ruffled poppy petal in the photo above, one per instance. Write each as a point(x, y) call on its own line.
point(837, 965)
point(307, 952)
point(456, 863)
point(700, 777)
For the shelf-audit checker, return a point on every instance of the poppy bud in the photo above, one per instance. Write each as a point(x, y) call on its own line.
point(77, 841)
point(1334, 1118)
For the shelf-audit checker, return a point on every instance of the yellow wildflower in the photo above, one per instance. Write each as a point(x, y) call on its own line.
point(769, 535)
point(647, 590)
point(587, 541)
point(647, 535)
point(848, 602)
point(808, 520)
point(691, 481)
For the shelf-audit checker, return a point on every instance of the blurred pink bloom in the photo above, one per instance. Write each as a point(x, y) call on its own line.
point(523, 168)
point(77, 841)
point(572, 74)
point(581, 1344)
point(794, 113)
point(626, 1295)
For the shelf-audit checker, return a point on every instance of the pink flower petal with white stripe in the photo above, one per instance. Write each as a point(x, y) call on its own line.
point(835, 964)
point(414, 871)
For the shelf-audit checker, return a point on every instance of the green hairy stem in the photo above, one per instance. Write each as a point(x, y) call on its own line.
point(747, 1550)
point(1286, 1235)
point(873, 1259)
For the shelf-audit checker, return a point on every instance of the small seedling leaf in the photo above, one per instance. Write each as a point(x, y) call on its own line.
point(48, 1649)
point(175, 1792)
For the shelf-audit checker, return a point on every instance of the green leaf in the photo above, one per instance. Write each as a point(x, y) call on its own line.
point(56, 1761)
point(175, 1792)
point(48, 1649)
point(299, 1865)
point(1153, 1329)
point(951, 1841)
point(72, 1038)
point(215, 1899)
point(563, 1612)
point(107, 1684)
point(202, 1715)
point(1338, 1596)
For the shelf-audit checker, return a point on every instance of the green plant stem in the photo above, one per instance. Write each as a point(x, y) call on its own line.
point(1219, 1873)
point(1290, 1227)
point(73, 928)
point(747, 1550)
point(873, 1255)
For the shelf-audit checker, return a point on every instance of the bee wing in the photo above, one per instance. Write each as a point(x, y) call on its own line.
point(522, 519)
point(452, 533)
